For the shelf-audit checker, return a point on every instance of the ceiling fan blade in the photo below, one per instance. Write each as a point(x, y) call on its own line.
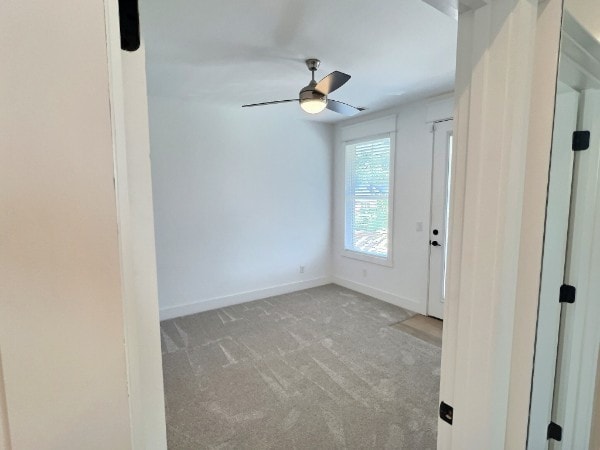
point(343, 108)
point(270, 103)
point(331, 82)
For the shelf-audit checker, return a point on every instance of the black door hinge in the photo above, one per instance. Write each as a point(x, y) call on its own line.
point(567, 294)
point(129, 21)
point(581, 140)
point(554, 432)
point(446, 412)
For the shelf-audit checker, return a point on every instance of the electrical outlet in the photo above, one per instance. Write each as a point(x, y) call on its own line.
point(364, 273)
point(301, 269)
point(419, 226)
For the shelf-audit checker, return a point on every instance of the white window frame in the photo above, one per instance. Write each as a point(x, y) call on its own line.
point(353, 254)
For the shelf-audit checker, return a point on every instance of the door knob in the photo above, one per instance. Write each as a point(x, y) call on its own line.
point(435, 244)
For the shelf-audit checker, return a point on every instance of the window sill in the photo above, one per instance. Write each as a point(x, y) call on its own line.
point(379, 260)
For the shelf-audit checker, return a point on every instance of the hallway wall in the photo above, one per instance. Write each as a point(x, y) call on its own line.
point(61, 300)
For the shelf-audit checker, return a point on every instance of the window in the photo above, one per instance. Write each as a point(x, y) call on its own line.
point(368, 198)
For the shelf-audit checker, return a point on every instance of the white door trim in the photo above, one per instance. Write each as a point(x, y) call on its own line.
point(487, 347)
point(133, 189)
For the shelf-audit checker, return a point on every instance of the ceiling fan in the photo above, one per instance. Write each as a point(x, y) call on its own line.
point(313, 97)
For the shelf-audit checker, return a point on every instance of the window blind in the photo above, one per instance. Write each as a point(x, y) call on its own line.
point(367, 196)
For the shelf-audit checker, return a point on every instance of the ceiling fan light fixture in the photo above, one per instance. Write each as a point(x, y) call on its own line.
point(313, 105)
point(311, 100)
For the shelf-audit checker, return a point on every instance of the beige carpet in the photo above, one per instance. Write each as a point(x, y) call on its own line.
point(324, 368)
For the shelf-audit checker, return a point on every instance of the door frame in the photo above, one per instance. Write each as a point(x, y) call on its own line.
point(495, 249)
point(578, 350)
point(135, 215)
point(581, 65)
point(503, 132)
point(447, 178)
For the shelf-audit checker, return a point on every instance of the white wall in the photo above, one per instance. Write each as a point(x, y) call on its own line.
point(61, 304)
point(242, 198)
point(4, 431)
point(405, 283)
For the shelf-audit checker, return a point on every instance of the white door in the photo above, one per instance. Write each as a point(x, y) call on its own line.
point(579, 338)
point(553, 266)
point(438, 234)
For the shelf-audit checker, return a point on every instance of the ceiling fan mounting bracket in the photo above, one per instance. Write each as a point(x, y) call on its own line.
point(313, 64)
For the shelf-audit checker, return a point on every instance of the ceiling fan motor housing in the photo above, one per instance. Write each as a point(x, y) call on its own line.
point(310, 93)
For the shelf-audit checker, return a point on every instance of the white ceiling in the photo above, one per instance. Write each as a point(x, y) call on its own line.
point(587, 13)
point(246, 51)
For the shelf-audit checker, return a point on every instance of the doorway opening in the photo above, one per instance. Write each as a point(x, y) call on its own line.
point(278, 322)
point(440, 208)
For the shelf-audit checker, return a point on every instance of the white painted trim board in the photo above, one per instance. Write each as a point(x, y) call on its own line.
point(258, 294)
point(384, 296)
point(241, 297)
point(488, 345)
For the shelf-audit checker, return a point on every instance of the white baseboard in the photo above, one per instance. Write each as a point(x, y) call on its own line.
point(411, 305)
point(242, 297)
